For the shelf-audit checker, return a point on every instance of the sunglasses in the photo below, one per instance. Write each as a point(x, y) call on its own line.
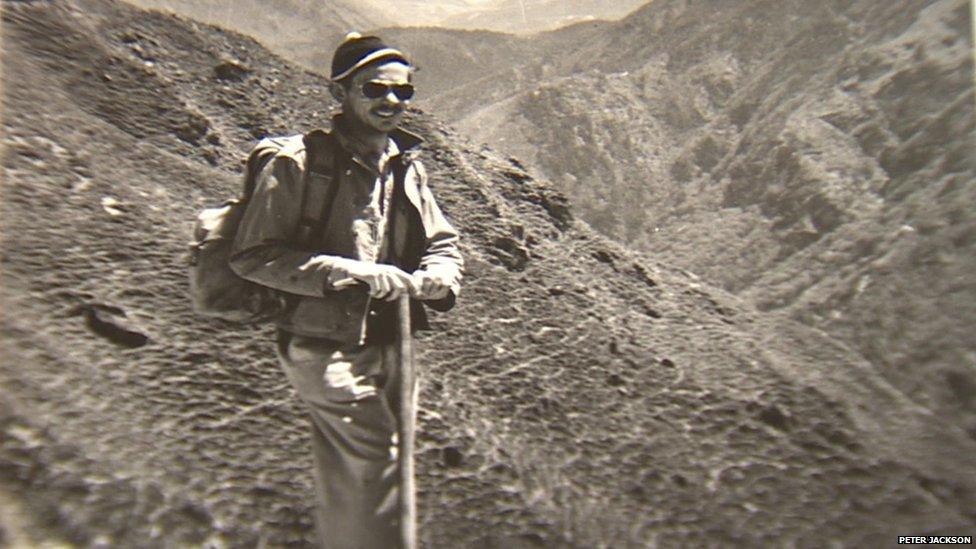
point(375, 90)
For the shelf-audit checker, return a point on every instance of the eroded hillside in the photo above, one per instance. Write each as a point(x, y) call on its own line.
point(579, 395)
point(808, 157)
point(305, 32)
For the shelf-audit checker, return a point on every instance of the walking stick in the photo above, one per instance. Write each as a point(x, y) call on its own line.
point(407, 427)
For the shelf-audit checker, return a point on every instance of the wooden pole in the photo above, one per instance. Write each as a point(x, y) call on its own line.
point(407, 427)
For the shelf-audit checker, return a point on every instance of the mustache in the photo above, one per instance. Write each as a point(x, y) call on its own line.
point(389, 108)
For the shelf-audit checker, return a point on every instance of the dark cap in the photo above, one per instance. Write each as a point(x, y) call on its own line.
point(357, 51)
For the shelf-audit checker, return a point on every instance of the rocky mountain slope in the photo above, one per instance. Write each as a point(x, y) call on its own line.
point(450, 41)
point(305, 32)
point(449, 60)
point(580, 394)
point(812, 158)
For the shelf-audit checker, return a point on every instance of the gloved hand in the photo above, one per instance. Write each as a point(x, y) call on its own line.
point(386, 282)
point(432, 284)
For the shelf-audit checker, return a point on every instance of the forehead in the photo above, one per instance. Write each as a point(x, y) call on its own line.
point(390, 71)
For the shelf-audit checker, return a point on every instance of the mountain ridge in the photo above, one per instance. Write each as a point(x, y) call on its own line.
point(792, 164)
point(301, 31)
point(512, 16)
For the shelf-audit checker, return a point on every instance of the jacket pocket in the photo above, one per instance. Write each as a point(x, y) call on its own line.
point(337, 316)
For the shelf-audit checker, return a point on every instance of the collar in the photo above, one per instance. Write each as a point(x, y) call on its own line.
point(400, 142)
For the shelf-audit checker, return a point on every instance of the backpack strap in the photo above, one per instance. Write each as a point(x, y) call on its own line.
point(260, 156)
point(398, 239)
point(320, 185)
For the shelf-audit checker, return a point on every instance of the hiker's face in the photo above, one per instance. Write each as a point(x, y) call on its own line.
point(384, 112)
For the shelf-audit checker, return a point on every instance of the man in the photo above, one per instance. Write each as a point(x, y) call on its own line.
point(381, 235)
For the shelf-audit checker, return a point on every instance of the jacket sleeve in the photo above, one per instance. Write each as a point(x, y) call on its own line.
point(264, 251)
point(441, 253)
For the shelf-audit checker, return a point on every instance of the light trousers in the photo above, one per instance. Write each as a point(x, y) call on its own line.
point(352, 395)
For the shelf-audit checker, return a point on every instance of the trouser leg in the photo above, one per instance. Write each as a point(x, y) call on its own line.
point(348, 392)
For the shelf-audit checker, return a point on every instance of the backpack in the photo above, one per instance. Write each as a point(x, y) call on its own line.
point(216, 291)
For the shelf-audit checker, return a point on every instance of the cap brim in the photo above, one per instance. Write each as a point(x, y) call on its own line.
point(372, 57)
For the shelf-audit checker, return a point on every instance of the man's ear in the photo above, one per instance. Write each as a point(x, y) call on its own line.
point(338, 91)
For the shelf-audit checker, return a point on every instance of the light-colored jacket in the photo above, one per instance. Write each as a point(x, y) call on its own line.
point(266, 250)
